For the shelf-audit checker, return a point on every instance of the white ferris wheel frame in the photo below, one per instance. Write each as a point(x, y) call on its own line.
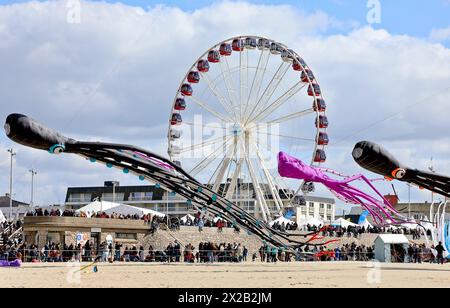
point(236, 96)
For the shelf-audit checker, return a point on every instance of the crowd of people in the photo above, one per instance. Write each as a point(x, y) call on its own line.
point(358, 231)
point(71, 213)
point(108, 252)
point(283, 227)
point(7, 229)
point(208, 252)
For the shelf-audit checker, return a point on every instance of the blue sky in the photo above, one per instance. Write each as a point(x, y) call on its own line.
point(415, 18)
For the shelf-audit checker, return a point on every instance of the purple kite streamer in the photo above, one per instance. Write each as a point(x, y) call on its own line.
point(381, 210)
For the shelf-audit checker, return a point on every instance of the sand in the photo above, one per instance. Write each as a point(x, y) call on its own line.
point(250, 275)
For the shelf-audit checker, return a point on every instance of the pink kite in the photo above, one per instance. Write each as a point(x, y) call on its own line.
point(380, 209)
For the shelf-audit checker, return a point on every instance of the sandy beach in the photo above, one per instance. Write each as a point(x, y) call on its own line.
point(250, 275)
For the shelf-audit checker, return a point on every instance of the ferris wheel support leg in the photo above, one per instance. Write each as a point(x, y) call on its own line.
point(275, 194)
point(259, 194)
point(232, 186)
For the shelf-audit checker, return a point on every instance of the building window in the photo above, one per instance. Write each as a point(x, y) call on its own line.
point(311, 205)
point(322, 206)
point(80, 198)
point(141, 196)
point(330, 206)
point(109, 197)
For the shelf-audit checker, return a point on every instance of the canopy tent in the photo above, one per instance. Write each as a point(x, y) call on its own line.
point(97, 206)
point(410, 225)
point(427, 225)
point(281, 220)
point(341, 222)
point(217, 218)
point(110, 208)
point(2, 217)
point(312, 222)
point(125, 209)
point(184, 219)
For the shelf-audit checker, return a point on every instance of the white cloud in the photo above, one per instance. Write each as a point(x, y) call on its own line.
point(440, 35)
point(114, 75)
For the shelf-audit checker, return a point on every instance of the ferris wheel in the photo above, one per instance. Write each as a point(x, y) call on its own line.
point(241, 102)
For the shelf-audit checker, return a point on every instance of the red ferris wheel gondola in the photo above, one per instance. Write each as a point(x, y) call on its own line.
point(225, 50)
point(203, 66)
point(321, 106)
point(186, 89)
point(299, 64)
point(314, 90)
point(323, 139)
point(193, 77)
point(307, 76)
point(213, 56)
point(322, 122)
point(176, 119)
point(237, 45)
point(320, 156)
point(180, 104)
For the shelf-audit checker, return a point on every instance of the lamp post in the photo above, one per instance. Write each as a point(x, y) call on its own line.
point(114, 192)
point(12, 154)
point(33, 173)
point(409, 202)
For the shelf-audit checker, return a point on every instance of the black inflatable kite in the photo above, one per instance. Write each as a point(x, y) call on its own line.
point(148, 166)
point(375, 158)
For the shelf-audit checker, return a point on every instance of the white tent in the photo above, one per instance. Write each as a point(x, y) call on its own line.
point(97, 206)
point(312, 222)
point(410, 225)
point(281, 220)
point(125, 209)
point(216, 219)
point(185, 218)
point(341, 222)
point(110, 207)
point(387, 247)
point(2, 217)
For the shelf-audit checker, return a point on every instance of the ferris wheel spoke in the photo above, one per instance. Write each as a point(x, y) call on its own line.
point(212, 87)
point(202, 125)
point(223, 169)
point(218, 169)
point(277, 178)
point(275, 194)
point(232, 95)
point(243, 78)
point(232, 186)
point(260, 132)
point(207, 160)
point(270, 89)
point(210, 110)
point(279, 102)
point(203, 144)
point(293, 116)
point(257, 79)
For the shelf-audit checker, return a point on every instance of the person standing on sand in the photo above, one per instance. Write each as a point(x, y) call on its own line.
point(245, 254)
point(440, 253)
